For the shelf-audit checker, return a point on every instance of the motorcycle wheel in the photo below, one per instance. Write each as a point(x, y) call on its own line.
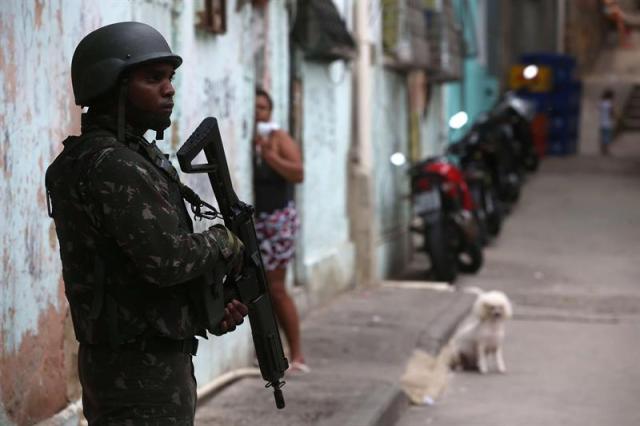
point(493, 215)
point(470, 259)
point(443, 260)
point(513, 193)
point(480, 216)
point(532, 162)
point(483, 231)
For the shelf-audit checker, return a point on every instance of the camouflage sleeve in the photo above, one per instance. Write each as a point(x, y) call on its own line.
point(137, 212)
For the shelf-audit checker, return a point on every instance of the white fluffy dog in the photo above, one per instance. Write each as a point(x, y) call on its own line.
point(481, 336)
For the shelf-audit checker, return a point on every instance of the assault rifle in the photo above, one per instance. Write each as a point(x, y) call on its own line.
point(251, 286)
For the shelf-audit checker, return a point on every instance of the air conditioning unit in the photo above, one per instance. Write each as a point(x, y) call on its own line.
point(405, 35)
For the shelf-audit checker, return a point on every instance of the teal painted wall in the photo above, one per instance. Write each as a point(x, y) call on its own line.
point(479, 89)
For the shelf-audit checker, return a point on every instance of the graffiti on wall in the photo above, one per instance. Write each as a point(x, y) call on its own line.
point(326, 141)
point(220, 96)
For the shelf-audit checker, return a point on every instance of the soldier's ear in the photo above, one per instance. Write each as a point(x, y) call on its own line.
point(106, 104)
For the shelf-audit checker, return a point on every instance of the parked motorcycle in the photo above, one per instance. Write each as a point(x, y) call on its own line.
point(499, 154)
point(488, 208)
point(517, 114)
point(443, 203)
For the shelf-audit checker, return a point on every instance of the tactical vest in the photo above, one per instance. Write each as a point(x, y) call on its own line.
point(110, 302)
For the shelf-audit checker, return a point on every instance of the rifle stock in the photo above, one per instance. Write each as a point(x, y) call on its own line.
point(251, 288)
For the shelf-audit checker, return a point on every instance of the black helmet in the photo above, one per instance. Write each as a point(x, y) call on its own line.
point(105, 53)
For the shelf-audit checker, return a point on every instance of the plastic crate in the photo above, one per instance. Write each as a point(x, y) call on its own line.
point(540, 133)
point(558, 146)
point(541, 101)
point(542, 83)
point(563, 66)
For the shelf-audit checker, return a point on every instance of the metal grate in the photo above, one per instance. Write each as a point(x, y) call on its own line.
point(417, 36)
point(446, 42)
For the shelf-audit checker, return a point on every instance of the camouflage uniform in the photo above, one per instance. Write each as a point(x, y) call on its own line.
point(130, 264)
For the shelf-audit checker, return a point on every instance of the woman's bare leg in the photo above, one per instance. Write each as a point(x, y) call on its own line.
point(286, 312)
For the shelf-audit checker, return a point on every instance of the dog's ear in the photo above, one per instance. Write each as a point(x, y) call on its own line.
point(478, 309)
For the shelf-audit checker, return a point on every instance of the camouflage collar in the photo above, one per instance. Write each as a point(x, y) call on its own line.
point(90, 122)
point(93, 122)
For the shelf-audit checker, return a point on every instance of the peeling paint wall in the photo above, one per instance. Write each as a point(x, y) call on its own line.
point(479, 90)
point(390, 133)
point(276, 73)
point(434, 134)
point(325, 253)
point(217, 78)
point(36, 113)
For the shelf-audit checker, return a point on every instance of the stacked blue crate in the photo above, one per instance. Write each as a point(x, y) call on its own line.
point(561, 104)
point(563, 66)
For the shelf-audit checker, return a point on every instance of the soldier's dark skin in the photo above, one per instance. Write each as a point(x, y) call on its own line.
point(150, 92)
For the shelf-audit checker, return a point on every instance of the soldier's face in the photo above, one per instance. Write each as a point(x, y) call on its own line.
point(151, 96)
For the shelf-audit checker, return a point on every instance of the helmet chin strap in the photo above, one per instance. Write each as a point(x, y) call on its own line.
point(121, 114)
point(122, 100)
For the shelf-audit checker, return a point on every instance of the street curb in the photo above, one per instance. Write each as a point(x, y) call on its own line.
point(442, 327)
point(393, 402)
point(390, 405)
point(359, 367)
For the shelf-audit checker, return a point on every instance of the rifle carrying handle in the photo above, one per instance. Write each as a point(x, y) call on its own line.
point(196, 143)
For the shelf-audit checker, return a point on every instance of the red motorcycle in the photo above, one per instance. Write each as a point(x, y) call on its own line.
point(443, 207)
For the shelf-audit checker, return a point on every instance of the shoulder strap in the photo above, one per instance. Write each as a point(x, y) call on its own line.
point(71, 145)
point(161, 161)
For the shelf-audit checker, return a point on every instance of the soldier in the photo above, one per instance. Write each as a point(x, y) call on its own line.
point(130, 259)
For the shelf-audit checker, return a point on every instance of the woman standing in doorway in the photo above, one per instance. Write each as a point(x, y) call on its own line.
point(277, 167)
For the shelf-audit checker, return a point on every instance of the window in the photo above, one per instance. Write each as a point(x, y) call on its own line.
point(214, 16)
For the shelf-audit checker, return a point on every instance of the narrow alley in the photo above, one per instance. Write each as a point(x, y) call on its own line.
point(568, 259)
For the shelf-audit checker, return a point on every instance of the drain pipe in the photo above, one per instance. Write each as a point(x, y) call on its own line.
point(72, 414)
point(224, 380)
point(361, 196)
point(561, 25)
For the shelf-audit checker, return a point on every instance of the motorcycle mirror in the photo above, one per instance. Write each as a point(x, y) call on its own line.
point(398, 159)
point(458, 120)
point(530, 72)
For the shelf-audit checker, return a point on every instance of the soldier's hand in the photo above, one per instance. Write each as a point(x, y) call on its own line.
point(231, 248)
point(234, 314)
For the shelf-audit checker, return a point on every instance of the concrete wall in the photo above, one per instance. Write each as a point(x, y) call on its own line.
point(36, 113)
point(533, 26)
point(390, 134)
point(434, 132)
point(586, 31)
point(218, 79)
point(325, 258)
point(479, 89)
point(37, 365)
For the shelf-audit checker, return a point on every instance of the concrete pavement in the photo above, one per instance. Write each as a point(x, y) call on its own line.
point(569, 260)
point(357, 347)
